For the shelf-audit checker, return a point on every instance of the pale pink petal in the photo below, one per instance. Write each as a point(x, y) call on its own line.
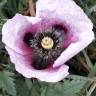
point(14, 30)
point(73, 49)
point(76, 22)
point(23, 66)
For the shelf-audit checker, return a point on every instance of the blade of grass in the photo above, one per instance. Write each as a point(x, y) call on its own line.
point(93, 71)
point(91, 89)
point(88, 61)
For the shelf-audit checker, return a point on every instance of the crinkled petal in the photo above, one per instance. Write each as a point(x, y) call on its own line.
point(23, 66)
point(77, 24)
point(14, 30)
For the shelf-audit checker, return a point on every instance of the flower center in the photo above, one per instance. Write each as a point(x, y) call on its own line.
point(47, 46)
point(47, 42)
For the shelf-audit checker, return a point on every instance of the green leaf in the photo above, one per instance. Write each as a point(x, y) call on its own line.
point(7, 82)
point(77, 77)
point(28, 83)
point(70, 87)
point(26, 87)
point(44, 91)
point(21, 87)
point(36, 88)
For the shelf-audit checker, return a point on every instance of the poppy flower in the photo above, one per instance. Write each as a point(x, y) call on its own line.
point(40, 46)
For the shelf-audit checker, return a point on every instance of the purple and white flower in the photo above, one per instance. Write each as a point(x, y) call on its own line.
point(40, 46)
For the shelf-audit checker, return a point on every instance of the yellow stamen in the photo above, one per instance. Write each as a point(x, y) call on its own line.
point(47, 43)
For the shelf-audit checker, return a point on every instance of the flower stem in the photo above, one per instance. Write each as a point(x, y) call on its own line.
point(31, 8)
